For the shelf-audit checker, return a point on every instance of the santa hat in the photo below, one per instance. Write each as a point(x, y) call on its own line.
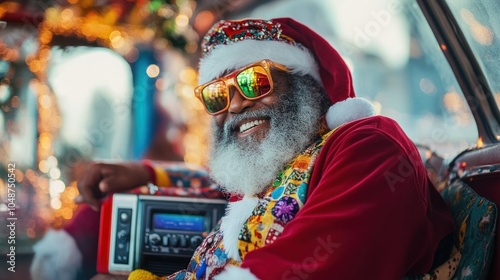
point(230, 45)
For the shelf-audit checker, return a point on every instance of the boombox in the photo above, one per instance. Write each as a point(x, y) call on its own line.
point(155, 233)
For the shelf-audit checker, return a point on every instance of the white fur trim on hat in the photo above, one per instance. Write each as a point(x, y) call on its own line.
point(348, 110)
point(232, 272)
point(56, 257)
point(236, 214)
point(239, 54)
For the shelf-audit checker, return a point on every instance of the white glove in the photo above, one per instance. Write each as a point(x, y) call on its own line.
point(56, 257)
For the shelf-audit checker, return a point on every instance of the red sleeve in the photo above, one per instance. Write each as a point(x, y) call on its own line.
point(370, 213)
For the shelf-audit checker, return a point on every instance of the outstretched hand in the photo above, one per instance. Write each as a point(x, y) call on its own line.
point(103, 178)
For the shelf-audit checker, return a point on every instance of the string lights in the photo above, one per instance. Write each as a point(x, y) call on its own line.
point(120, 26)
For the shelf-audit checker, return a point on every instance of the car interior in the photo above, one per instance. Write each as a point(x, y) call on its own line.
point(473, 168)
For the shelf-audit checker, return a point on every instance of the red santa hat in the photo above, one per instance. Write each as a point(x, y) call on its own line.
point(230, 45)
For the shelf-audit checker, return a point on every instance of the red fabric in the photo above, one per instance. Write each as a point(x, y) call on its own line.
point(371, 212)
point(149, 166)
point(235, 197)
point(334, 73)
point(104, 240)
point(84, 228)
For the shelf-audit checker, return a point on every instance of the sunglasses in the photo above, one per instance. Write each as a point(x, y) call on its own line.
point(253, 81)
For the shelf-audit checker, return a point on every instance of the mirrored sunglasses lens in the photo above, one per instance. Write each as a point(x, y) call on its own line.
point(253, 82)
point(215, 96)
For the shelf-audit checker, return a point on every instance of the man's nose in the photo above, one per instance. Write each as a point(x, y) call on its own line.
point(238, 103)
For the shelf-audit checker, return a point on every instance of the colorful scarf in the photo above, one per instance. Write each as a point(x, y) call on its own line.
point(278, 206)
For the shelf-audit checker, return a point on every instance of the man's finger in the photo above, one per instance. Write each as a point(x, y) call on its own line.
point(88, 187)
point(94, 205)
point(113, 183)
point(104, 186)
point(79, 199)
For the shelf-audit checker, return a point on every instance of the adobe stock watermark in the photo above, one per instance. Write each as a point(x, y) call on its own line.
point(104, 131)
point(379, 20)
point(107, 129)
point(11, 219)
point(323, 250)
point(405, 168)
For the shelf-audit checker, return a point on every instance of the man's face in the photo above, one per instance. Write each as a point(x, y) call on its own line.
point(253, 140)
point(246, 127)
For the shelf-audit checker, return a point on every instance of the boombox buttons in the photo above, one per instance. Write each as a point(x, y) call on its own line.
point(171, 242)
point(155, 233)
point(122, 247)
point(196, 241)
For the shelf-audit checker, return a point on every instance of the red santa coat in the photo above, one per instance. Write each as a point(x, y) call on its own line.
point(371, 212)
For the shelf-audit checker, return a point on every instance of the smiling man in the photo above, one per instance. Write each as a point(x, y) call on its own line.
point(254, 139)
point(320, 187)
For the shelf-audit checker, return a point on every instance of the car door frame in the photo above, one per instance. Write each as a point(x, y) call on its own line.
point(465, 67)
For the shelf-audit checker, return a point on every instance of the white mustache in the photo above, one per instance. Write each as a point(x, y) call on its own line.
point(233, 123)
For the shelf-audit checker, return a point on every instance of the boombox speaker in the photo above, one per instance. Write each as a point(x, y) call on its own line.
point(156, 233)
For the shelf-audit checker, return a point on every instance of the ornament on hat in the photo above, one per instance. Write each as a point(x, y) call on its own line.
point(230, 45)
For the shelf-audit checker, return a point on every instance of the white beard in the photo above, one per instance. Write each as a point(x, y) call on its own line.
point(249, 167)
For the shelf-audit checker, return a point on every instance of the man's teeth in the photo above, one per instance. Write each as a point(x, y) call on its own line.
point(246, 126)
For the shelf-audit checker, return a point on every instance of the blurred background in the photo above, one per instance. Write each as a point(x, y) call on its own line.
point(85, 80)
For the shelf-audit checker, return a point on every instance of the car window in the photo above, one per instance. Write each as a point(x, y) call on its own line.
point(478, 20)
point(396, 63)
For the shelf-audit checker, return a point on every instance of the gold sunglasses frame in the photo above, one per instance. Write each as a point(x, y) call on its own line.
point(230, 81)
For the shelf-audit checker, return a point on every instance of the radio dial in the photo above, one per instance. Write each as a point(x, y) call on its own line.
point(123, 235)
point(182, 241)
point(174, 240)
point(195, 241)
point(155, 239)
point(124, 217)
